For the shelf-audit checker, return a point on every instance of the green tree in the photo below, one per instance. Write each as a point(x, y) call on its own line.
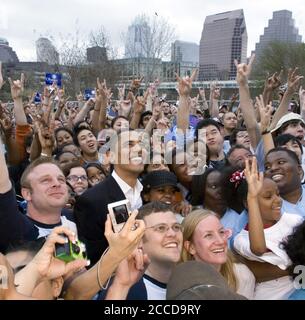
point(280, 56)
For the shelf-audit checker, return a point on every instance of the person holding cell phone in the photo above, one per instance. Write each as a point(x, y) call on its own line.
point(128, 157)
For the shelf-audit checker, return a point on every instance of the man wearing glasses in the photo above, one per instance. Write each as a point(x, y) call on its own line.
point(162, 242)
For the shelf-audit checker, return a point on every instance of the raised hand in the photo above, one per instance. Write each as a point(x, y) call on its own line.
point(135, 84)
point(201, 92)
point(139, 104)
point(50, 267)
point(48, 93)
point(216, 94)
point(124, 108)
point(243, 70)
point(185, 84)
point(46, 134)
point(293, 81)
point(123, 243)
point(265, 113)
point(102, 89)
point(80, 97)
point(131, 269)
point(274, 81)
point(302, 97)
point(17, 87)
point(121, 92)
point(254, 179)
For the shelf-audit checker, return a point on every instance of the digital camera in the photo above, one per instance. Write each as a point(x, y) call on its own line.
point(70, 251)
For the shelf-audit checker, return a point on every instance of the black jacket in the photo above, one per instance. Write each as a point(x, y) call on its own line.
point(91, 211)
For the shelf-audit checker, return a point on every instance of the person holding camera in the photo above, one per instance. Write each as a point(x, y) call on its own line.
point(43, 186)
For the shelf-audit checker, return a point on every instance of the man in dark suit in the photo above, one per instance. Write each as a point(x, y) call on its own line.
point(128, 158)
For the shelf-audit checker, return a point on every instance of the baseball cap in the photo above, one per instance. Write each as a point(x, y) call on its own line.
point(287, 117)
point(159, 178)
point(197, 280)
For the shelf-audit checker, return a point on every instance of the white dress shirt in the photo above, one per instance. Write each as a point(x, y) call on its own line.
point(131, 194)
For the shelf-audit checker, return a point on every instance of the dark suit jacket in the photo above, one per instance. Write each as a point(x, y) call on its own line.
point(91, 211)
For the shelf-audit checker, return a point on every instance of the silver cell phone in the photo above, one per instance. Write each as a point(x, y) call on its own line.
point(119, 213)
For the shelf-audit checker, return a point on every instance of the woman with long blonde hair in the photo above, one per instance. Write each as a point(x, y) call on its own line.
point(205, 239)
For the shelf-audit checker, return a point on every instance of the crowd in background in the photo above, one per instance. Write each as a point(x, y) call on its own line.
point(219, 184)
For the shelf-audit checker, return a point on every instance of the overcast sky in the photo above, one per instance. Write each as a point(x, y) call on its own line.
point(22, 22)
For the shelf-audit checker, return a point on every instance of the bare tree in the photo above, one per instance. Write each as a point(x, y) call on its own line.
point(149, 38)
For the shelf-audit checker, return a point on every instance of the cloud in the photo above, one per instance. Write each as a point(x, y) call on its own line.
point(22, 22)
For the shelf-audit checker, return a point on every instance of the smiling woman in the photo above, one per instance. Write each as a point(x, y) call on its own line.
point(205, 239)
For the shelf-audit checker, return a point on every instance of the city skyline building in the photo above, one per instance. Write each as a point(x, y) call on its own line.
point(46, 51)
point(7, 54)
point(280, 28)
point(224, 38)
point(184, 51)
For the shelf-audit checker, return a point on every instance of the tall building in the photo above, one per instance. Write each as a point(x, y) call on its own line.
point(280, 28)
point(7, 54)
point(137, 40)
point(182, 51)
point(97, 54)
point(224, 38)
point(46, 52)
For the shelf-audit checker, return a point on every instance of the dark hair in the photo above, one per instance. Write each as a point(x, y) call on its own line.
point(204, 123)
point(144, 114)
point(115, 119)
point(282, 139)
point(294, 246)
point(80, 124)
point(236, 147)
point(290, 153)
point(96, 165)
point(61, 152)
point(77, 132)
point(286, 124)
point(234, 133)
point(234, 195)
point(153, 207)
point(67, 168)
point(31, 247)
point(199, 186)
point(62, 129)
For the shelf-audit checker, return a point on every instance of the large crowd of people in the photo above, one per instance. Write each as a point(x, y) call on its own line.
point(214, 192)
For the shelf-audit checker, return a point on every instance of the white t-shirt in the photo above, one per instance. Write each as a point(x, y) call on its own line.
point(280, 288)
point(154, 291)
point(273, 237)
point(245, 280)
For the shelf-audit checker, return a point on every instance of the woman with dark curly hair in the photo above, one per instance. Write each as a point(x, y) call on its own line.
point(294, 246)
point(206, 193)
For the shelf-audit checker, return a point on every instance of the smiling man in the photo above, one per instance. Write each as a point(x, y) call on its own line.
point(43, 186)
point(284, 168)
point(162, 242)
point(128, 158)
